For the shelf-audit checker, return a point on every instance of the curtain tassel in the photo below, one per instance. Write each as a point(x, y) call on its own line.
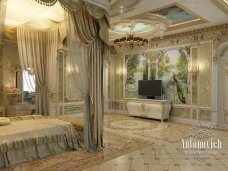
point(48, 4)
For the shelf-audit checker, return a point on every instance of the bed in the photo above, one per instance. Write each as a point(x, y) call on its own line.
point(32, 137)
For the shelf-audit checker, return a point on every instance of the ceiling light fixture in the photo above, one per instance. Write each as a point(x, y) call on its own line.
point(130, 42)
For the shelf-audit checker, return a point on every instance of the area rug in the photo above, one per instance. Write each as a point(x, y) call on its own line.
point(147, 129)
point(115, 145)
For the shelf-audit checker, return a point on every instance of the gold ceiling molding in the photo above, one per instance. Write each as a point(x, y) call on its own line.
point(198, 20)
point(118, 3)
point(155, 21)
point(115, 4)
point(221, 4)
point(187, 24)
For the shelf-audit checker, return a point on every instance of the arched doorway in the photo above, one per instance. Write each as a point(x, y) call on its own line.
point(222, 84)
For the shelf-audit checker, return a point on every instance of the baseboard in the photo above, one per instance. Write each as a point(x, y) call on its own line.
point(223, 127)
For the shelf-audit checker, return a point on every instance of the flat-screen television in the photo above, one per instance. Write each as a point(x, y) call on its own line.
point(150, 88)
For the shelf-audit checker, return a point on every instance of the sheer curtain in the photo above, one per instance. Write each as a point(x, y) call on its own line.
point(52, 43)
point(38, 50)
point(83, 36)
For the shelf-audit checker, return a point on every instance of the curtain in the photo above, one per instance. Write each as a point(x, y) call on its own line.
point(38, 50)
point(83, 36)
point(2, 17)
point(76, 4)
point(51, 60)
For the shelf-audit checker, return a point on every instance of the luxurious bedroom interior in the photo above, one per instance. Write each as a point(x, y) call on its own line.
point(121, 85)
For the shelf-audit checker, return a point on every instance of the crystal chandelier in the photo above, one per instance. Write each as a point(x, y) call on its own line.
point(130, 42)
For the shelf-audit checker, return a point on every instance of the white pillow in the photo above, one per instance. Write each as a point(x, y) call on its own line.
point(4, 121)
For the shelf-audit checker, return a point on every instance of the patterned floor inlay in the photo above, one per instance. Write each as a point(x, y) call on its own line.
point(130, 124)
point(146, 128)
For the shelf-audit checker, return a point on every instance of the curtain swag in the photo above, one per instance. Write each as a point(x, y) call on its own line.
point(70, 5)
point(100, 14)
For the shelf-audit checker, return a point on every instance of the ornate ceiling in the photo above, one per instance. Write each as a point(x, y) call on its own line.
point(150, 16)
point(172, 16)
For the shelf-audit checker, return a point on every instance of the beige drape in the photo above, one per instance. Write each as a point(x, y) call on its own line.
point(90, 64)
point(38, 50)
point(2, 17)
point(52, 40)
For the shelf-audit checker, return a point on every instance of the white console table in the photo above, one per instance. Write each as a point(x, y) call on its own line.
point(149, 108)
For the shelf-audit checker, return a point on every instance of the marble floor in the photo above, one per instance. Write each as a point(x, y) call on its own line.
point(166, 156)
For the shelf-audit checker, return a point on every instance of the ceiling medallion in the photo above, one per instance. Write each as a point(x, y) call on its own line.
point(130, 42)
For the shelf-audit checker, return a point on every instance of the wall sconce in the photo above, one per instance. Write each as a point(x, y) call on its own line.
point(72, 70)
point(194, 70)
point(121, 72)
point(30, 71)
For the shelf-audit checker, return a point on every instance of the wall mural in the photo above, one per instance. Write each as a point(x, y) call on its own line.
point(176, 14)
point(169, 65)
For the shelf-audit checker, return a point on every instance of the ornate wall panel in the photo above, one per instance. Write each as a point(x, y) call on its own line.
point(116, 77)
point(61, 64)
point(225, 94)
point(205, 74)
point(194, 114)
point(226, 117)
point(181, 112)
point(194, 80)
point(204, 115)
point(1, 75)
point(11, 65)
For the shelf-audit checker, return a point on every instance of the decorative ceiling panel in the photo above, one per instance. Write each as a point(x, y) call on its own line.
point(124, 27)
point(121, 29)
point(221, 4)
point(177, 15)
point(126, 5)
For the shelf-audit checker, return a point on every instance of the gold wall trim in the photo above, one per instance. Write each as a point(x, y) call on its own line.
point(217, 34)
point(116, 4)
point(188, 24)
point(221, 5)
point(204, 30)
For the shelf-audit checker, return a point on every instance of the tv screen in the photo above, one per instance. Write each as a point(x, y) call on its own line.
point(150, 88)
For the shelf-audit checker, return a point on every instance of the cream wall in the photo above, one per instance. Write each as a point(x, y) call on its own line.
point(116, 78)
point(203, 43)
point(205, 76)
point(1, 75)
point(9, 64)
